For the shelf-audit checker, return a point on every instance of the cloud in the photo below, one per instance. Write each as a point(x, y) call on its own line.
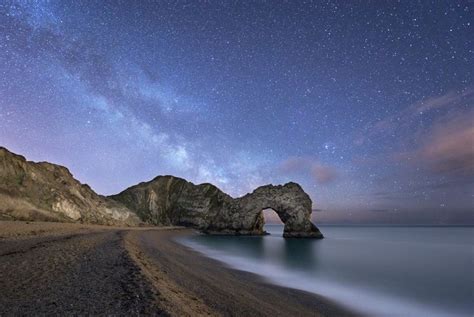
point(434, 164)
point(451, 99)
point(323, 174)
point(406, 120)
point(449, 146)
point(318, 171)
point(435, 136)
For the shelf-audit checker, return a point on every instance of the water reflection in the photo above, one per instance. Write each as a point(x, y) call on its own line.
point(296, 254)
point(422, 271)
point(300, 254)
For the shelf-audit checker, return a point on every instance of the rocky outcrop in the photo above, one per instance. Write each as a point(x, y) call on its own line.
point(49, 192)
point(170, 200)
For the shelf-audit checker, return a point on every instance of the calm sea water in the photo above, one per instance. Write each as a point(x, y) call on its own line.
point(380, 271)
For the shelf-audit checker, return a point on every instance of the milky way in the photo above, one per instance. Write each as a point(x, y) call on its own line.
point(368, 105)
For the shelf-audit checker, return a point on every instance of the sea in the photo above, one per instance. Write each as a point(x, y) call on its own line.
point(372, 270)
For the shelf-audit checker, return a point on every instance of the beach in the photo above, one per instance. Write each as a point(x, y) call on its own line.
point(56, 268)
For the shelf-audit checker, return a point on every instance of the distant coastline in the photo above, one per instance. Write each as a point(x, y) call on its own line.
point(391, 225)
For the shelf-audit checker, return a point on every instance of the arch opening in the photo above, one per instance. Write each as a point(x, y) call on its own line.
point(272, 223)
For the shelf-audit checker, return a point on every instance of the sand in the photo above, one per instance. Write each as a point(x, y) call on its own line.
point(54, 268)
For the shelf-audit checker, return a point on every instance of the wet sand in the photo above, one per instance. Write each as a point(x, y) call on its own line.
point(52, 268)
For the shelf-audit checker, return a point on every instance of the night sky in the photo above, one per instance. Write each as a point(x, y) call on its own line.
point(368, 105)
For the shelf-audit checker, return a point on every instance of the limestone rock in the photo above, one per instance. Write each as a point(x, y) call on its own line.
point(170, 200)
point(49, 192)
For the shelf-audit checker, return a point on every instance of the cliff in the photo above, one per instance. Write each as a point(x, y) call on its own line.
point(49, 192)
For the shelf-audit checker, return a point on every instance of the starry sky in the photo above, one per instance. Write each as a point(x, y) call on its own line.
point(367, 104)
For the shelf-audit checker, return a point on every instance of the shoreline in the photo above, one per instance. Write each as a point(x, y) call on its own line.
point(54, 268)
point(227, 291)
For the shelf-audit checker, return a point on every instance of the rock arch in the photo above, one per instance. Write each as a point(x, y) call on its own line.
point(172, 200)
point(292, 205)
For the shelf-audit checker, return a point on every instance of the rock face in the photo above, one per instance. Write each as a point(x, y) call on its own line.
point(49, 192)
point(170, 200)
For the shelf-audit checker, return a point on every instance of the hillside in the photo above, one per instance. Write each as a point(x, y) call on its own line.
point(49, 192)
